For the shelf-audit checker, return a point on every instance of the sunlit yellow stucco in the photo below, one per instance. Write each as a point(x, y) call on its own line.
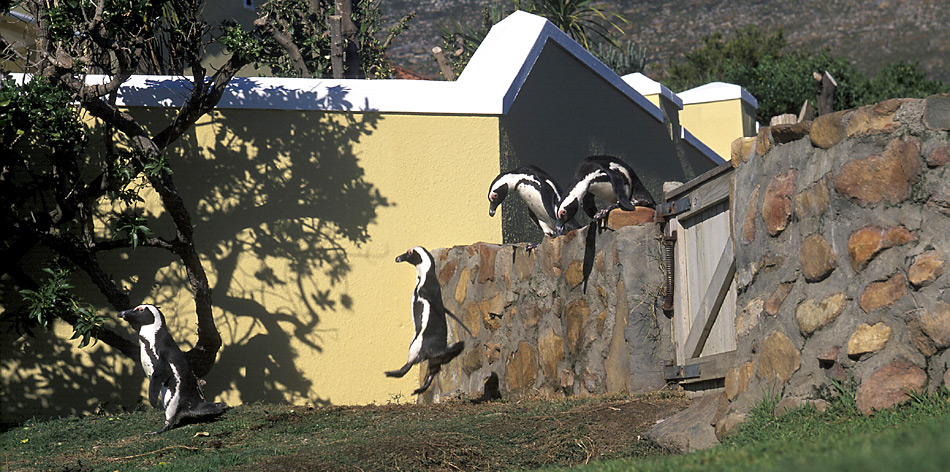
point(719, 123)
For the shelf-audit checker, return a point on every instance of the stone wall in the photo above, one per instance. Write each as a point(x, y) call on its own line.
point(842, 230)
point(535, 331)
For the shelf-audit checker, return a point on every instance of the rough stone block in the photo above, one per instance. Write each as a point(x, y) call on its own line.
point(748, 225)
point(486, 263)
point(576, 317)
point(812, 315)
point(881, 294)
point(936, 324)
point(774, 303)
point(777, 203)
point(827, 130)
point(874, 119)
point(926, 268)
point(938, 156)
point(937, 112)
point(790, 404)
point(867, 242)
point(522, 369)
point(818, 259)
point(574, 274)
point(550, 352)
point(619, 218)
point(737, 380)
point(889, 386)
point(813, 202)
point(779, 358)
point(748, 318)
point(492, 311)
point(691, 429)
point(742, 150)
point(888, 177)
point(787, 133)
point(461, 290)
point(868, 339)
point(763, 141)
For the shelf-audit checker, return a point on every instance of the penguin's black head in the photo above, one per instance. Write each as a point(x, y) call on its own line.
point(413, 256)
point(495, 197)
point(142, 315)
point(566, 211)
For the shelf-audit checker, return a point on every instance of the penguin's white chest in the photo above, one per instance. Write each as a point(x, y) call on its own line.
point(148, 349)
point(534, 202)
point(603, 190)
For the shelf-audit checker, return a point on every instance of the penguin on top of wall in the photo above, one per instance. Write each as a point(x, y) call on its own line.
point(172, 385)
point(609, 179)
point(538, 190)
point(428, 316)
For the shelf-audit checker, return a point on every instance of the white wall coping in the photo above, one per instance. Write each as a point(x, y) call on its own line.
point(647, 86)
point(717, 92)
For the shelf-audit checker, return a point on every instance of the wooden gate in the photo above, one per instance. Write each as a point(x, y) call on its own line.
point(704, 289)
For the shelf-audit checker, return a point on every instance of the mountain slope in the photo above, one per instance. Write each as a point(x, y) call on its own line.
point(869, 33)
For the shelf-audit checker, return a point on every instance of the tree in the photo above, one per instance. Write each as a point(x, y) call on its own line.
point(781, 80)
point(582, 20)
point(54, 183)
point(293, 39)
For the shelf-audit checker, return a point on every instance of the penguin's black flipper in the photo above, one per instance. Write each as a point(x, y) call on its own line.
point(399, 373)
point(159, 376)
point(589, 206)
point(619, 185)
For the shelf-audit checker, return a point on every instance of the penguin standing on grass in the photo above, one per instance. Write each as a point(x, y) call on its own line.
point(428, 316)
point(172, 385)
point(609, 179)
point(538, 190)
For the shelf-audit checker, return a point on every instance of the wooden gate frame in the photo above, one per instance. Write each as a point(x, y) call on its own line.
point(689, 199)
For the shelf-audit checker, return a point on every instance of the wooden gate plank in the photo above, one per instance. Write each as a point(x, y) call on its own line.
point(715, 294)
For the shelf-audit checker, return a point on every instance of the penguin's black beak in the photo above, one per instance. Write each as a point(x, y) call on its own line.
point(124, 313)
point(402, 257)
point(492, 207)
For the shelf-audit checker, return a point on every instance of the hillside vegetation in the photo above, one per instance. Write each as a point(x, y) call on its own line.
point(870, 34)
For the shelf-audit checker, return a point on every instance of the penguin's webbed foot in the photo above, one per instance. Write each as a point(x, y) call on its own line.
point(164, 428)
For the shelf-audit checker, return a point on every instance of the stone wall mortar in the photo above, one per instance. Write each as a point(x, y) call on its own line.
point(850, 250)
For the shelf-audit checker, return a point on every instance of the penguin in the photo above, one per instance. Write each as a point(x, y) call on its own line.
point(172, 385)
point(608, 178)
point(538, 190)
point(428, 316)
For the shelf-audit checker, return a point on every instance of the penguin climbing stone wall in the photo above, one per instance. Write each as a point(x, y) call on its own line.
point(172, 385)
point(609, 179)
point(537, 189)
point(428, 316)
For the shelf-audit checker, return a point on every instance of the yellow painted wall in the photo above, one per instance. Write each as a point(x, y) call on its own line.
point(718, 124)
point(299, 216)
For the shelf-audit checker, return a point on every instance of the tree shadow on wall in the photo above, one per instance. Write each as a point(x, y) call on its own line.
point(46, 367)
point(278, 205)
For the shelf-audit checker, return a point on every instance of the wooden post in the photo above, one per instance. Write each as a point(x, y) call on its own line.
point(336, 46)
point(447, 71)
point(825, 86)
point(783, 119)
point(807, 113)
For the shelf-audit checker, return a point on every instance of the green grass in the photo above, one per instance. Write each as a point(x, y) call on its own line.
point(911, 437)
point(516, 435)
point(498, 436)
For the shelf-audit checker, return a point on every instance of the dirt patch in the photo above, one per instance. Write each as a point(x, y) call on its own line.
point(466, 436)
